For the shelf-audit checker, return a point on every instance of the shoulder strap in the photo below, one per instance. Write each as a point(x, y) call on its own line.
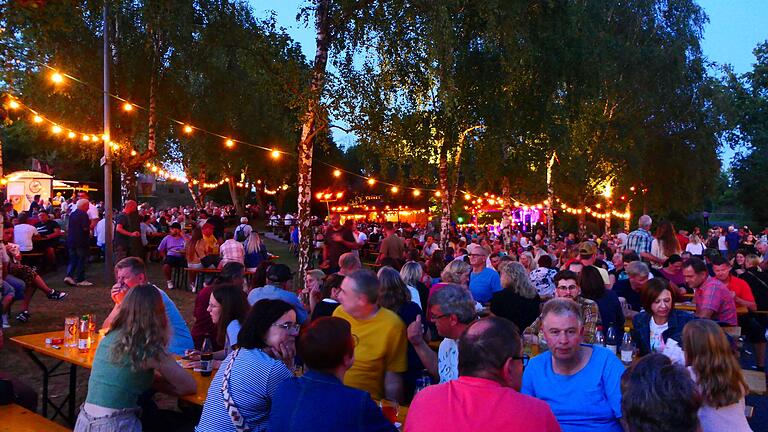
point(234, 414)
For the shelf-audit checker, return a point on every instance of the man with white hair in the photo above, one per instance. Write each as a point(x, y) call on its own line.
point(243, 231)
point(640, 239)
point(762, 248)
point(78, 244)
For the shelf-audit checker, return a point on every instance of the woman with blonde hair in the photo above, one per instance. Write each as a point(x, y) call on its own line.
point(412, 273)
point(518, 301)
point(716, 371)
point(456, 272)
point(255, 251)
point(528, 261)
point(695, 246)
point(135, 347)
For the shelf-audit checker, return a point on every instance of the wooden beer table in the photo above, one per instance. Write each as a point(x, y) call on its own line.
point(690, 307)
point(34, 344)
point(19, 419)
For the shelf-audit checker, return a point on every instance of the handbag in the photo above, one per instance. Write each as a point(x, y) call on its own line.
point(234, 414)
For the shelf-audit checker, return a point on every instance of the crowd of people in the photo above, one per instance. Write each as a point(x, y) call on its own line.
point(446, 328)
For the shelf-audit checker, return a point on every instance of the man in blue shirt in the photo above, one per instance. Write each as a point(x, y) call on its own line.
point(484, 280)
point(581, 383)
point(130, 272)
point(78, 244)
point(318, 400)
point(640, 239)
point(280, 283)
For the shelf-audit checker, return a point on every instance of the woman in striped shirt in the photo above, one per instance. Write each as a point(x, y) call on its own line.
point(240, 395)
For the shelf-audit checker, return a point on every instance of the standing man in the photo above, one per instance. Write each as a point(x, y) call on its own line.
point(380, 355)
point(93, 211)
point(484, 280)
point(78, 244)
point(640, 239)
point(243, 231)
point(452, 309)
point(486, 395)
point(127, 232)
point(391, 246)
point(712, 298)
point(338, 240)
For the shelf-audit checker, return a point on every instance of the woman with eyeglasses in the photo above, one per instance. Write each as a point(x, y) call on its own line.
point(240, 395)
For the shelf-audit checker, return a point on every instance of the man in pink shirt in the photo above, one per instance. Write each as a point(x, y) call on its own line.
point(485, 397)
point(712, 298)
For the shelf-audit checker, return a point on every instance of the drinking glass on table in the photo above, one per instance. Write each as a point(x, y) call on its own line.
point(390, 409)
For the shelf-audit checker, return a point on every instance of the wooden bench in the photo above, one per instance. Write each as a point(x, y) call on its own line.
point(28, 257)
point(14, 418)
point(755, 381)
point(198, 281)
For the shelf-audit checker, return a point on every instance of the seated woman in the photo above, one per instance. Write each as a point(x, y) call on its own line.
point(323, 298)
point(412, 273)
point(242, 390)
point(204, 327)
point(125, 363)
point(593, 288)
point(228, 307)
point(518, 301)
point(716, 371)
point(659, 320)
point(673, 272)
point(327, 347)
point(255, 251)
point(26, 277)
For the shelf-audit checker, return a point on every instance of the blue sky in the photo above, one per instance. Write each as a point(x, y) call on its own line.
point(735, 27)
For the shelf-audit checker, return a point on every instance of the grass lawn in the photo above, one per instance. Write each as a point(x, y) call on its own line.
point(48, 315)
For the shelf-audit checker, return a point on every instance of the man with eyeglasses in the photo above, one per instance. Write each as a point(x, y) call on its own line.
point(486, 395)
point(453, 309)
point(567, 286)
point(581, 383)
point(484, 280)
point(380, 355)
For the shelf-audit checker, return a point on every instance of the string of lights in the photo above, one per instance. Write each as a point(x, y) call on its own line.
point(56, 128)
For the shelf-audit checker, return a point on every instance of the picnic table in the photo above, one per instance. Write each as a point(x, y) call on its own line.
point(34, 344)
point(19, 419)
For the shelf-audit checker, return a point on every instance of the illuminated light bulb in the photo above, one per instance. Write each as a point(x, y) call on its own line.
point(438, 194)
point(466, 196)
point(71, 134)
point(57, 78)
point(93, 138)
point(394, 189)
point(226, 179)
point(154, 169)
point(86, 138)
point(56, 129)
point(275, 154)
point(13, 104)
point(285, 187)
point(37, 119)
point(416, 192)
point(229, 143)
point(327, 196)
point(133, 153)
point(105, 137)
point(337, 173)
point(339, 195)
point(371, 181)
point(319, 195)
point(187, 129)
point(127, 107)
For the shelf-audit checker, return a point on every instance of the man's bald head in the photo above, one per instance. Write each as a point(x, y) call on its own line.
point(486, 345)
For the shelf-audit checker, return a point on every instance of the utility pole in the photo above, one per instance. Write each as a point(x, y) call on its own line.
point(107, 160)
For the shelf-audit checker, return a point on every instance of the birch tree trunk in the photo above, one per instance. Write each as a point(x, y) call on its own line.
point(233, 195)
point(445, 216)
point(308, 132)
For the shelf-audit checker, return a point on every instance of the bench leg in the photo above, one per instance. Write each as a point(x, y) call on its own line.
point(69, 417)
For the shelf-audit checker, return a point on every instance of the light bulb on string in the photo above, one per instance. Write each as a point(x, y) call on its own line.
point(71, 134)
point(229, 143)
point(371, 181)
point(275, 154)
point(37, 119)
point(337, 173)
point(57, 78)
point(187, 129)
point(416, 192)
point(56, 129)
point(127, 107)
point(395, 189)
point(86, 138)
point(13, 104)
